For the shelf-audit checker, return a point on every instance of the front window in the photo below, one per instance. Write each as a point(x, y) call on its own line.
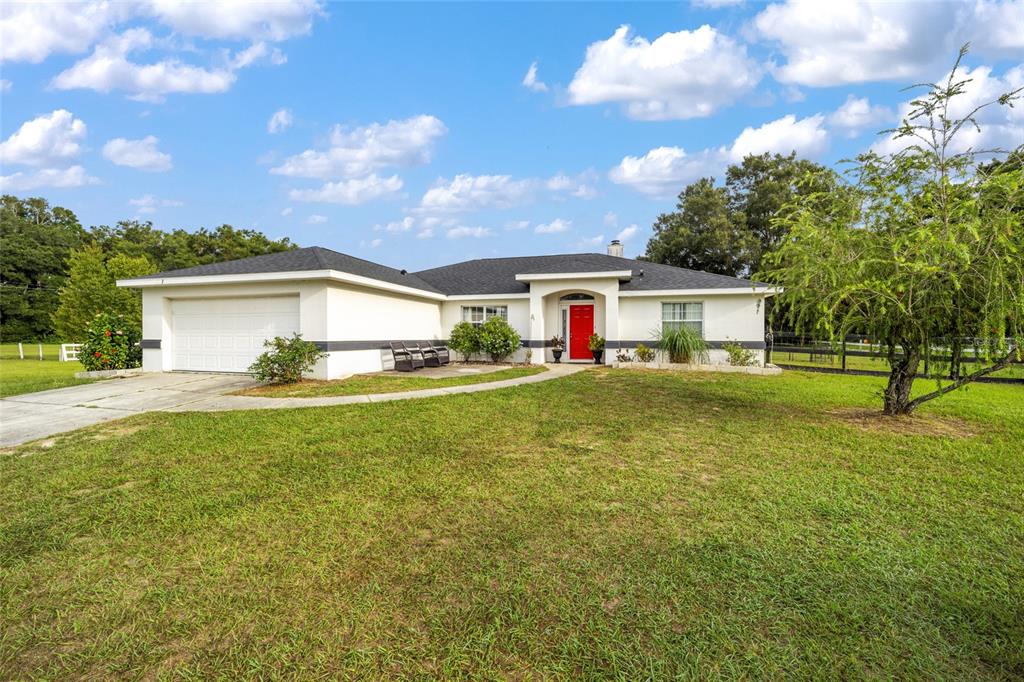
point(478, 314)
point(677, 315)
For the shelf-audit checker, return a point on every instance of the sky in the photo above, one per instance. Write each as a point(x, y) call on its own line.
point(422, 134)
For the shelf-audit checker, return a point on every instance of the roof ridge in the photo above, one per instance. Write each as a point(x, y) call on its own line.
point(319, 258)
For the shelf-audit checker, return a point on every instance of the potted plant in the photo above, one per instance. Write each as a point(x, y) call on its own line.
point(557, 346)
point(596, 345)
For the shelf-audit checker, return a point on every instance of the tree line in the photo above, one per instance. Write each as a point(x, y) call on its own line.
point(55, 274)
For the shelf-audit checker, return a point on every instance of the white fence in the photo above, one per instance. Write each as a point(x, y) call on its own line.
point(69, 351)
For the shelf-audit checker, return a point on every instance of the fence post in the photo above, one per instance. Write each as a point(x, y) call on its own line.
point(844, 352)
point(769, 342)
point(21, 351)
point(40, 350)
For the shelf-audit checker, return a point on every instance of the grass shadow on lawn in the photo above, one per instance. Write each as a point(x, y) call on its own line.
point(612, 523)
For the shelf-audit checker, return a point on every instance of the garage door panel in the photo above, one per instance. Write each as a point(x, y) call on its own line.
point(226, 335)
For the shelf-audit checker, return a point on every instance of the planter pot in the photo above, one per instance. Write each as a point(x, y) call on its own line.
point(557, 353)
point(597, 356)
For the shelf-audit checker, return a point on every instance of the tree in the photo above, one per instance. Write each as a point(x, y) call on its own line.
point(728, 229)
point(920, 248)
point(35, 242)
point(92, 288)
point(701, 234)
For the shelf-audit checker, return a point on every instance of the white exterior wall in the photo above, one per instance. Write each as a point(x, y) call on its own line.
point(327, 312)
point(727, 317)
point(358, 314)
point(518, 319)
point(157, 319)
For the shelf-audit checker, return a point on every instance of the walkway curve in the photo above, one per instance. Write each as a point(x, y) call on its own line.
point(248, 402)
point(31, 416)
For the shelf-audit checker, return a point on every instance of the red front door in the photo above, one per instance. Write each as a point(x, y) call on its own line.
point(581, 326)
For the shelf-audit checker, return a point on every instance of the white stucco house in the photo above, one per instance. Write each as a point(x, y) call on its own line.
point(215, 318)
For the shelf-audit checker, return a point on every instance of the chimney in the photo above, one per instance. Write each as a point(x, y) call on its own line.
point(615, 248)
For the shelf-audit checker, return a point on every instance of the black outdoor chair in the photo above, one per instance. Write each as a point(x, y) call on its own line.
point(404, 360)
point(442, 352)
point(418, 361)
point(430, 356)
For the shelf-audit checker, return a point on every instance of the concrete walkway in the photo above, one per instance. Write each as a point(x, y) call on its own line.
point(28, 417)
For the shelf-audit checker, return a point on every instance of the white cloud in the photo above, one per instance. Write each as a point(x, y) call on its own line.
point(425, 233)
point(530, 80)
point(687, 74)
point(856, 114)
point(147, 204)
point(555, 226)
point(627, 233)
point(358, 151)
point(403, 225)
point(1001, 126)
point(469, 192)
point(75, 176)
point(578, 187)
point(807, 137)
point(316, 219)
point(374, 243)
point(5, 85)
point(138, 154)
point(32, 31)
point(44, 140)
point(995, 26)
point(611, 219)
point(240, 19)
point(463, 231)
point(280, 121)
point(833, 43)
point(108, 69)
point(590, 242)
point(663, 171)
point(517, 224)
point(351, 192)
point(286, 211)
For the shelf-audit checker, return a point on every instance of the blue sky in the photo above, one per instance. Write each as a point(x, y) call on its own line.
point(411, 134)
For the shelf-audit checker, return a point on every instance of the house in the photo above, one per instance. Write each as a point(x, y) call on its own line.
point(215, 318)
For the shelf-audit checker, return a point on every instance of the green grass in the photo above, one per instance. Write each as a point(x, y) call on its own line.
point(365, 384)
point(31, 375)
point(874, 364)
point(611, 524)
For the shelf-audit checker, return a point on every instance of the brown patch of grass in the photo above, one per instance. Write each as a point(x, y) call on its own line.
point(874, 421)
point(110, 430)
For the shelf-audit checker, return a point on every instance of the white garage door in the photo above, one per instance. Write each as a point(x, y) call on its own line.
point(226, 334)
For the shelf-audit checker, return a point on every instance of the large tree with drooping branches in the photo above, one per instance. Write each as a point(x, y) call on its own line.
point(921, 249)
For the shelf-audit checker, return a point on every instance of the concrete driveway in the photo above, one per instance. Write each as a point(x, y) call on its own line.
point(37, 415)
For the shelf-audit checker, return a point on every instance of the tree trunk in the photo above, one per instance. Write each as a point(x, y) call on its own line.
point(901, 381)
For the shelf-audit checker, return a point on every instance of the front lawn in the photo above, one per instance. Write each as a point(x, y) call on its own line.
point(31, 374)
point(611, 524)
point(368, 384)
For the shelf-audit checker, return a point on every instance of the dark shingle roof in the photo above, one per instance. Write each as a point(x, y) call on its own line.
point(474, 277)
point(297, 260)
point(498, 275)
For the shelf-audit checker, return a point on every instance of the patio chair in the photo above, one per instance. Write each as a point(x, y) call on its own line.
point(442, 352)
point(418, 361)
point(430, 356)
point(404, 360)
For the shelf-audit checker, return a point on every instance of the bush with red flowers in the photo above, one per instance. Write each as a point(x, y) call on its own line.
point(111, 343)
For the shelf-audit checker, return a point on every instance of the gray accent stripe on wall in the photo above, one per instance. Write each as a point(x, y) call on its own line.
point(150, 343)
point(749, 345)
point(335, 346)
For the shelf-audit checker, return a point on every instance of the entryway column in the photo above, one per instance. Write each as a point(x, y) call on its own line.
point(611, 323)
point(537, 332)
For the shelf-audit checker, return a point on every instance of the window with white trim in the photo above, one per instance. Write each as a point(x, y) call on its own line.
point(478, 314)
point(677, 315)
